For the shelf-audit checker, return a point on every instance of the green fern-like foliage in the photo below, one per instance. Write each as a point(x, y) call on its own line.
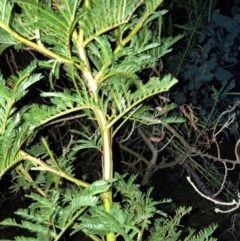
point(118, 45)
point(48, 217)
point(132, 218)
point(100, 50)
point(101, 53)
point(13, 130)
point(166, 229)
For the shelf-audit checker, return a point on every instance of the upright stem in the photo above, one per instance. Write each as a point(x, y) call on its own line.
point(107, 172)
point(106, 134)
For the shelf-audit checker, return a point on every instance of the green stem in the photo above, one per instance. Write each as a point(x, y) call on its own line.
point(33, 45)
point(40, 165)
point(139, 238)
point(23, 172)
point(136, 29)
point(106, 134)
point(107, 163)
point(70, 223)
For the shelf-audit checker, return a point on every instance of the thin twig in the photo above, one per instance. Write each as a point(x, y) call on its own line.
point(66, 119)
point(237, 204)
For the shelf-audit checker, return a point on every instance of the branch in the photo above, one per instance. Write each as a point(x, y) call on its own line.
point(152, 163)
point(33, 45)
point(41, 165)
point(217, 210)
point(65, 119)
point(140, 157)
point(180, 138)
